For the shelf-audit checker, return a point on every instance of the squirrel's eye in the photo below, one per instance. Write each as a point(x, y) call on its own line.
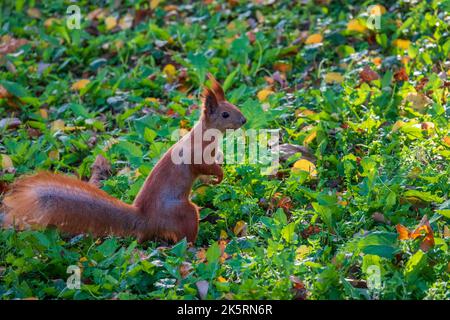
point(225, 115)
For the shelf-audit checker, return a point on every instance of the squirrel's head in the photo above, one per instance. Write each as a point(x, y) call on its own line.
point(217, 111)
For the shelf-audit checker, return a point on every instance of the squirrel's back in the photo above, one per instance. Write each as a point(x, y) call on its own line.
point(74, 206)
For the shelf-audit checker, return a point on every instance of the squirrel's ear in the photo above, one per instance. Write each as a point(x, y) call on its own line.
point(216, 88)
point(210, 102)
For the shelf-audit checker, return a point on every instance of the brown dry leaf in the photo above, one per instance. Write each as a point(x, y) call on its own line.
point(287, 150)
point(58, 125)
point(240, 229)
point(446, 232)
point(185, 269)
point(401, 75)
point(299, 289)
point(379, 217)
point(418, 101)
point(283, 67)
point(201, 255)
point(368, 75)
point(10, 45)
point(4, 94)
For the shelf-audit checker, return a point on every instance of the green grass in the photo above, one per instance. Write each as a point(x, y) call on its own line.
point(382, 146)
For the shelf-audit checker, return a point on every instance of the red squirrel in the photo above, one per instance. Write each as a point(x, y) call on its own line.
point(162, 209)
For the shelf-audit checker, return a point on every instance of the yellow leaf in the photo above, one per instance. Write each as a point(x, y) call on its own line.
point(154, 4)
point(377, 10)
point(151, 100)
point(314, 38)
point(223, 234)
point(170, 71)
point(333, 77)
point(310, 138)
point(110, 22)
point(44, 113)
point(58, 125)
point(264, 93)
point(305, 165)
point(221, 279)
point(6, 162)
point(80, 84)
point(83, 259)
point(302, 252)
point(355, 25)
point(240, 228)
point(401, 43)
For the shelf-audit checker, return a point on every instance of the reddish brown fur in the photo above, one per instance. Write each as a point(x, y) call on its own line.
point(162, 209)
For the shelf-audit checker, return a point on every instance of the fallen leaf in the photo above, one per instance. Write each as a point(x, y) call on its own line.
point(418, 101)
point(80, 84)
point(58, 125)
point(110, 22)
point(314, 38)
point(446, 140)
point(264, 93)
point(185, 269)
point(377, 10)
point(283, 67)
point(368, 75)
point(422, 230)
point(401, 75)
point(240, 229)
point(305, 165)
point(402, 43)
point(170, 72)
point(335, 77)
point(355, 25)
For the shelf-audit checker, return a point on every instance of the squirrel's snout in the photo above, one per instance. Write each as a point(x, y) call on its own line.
point(243, 120)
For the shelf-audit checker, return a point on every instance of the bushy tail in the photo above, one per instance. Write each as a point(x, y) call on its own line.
point(70, 204)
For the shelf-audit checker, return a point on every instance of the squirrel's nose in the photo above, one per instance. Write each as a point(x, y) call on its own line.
point(243, 120)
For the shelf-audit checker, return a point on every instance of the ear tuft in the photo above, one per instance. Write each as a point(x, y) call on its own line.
point(210, 102)
point(216, 88)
